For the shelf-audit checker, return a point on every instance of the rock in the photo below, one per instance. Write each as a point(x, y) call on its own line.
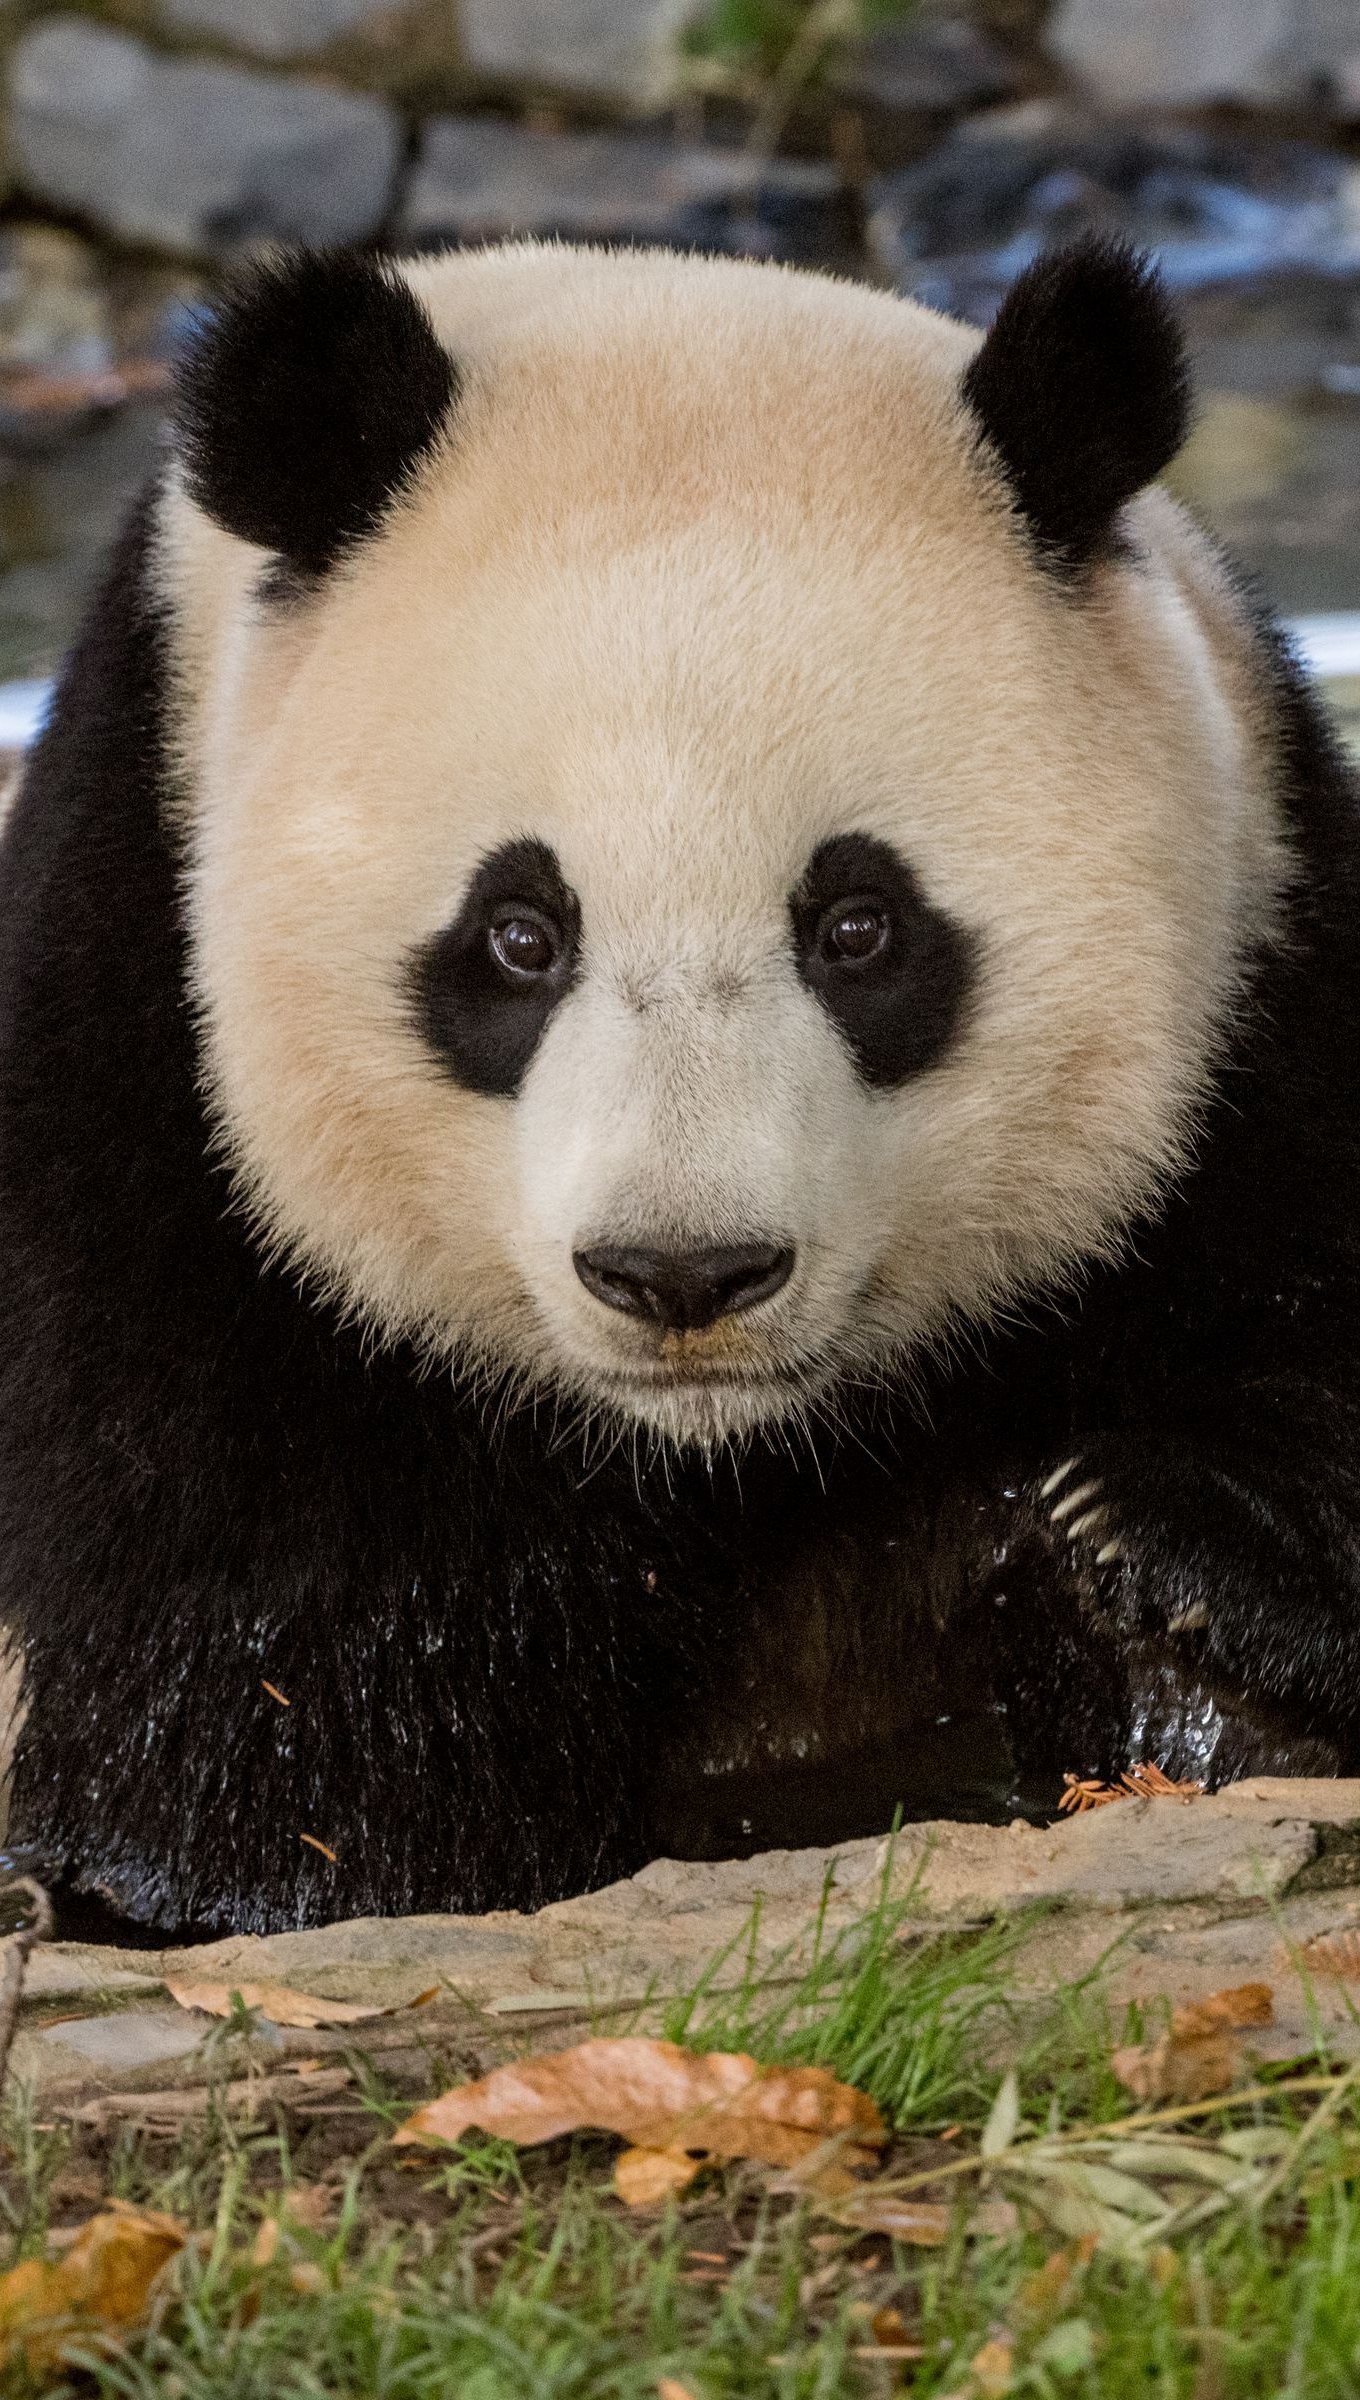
point(193, 157)
point(1140, 53)
point(274, 28)
point(627, 49)
point(1183, 1897)
point(1213, 208)
point(53, 312)
point(478, 179)
point(927, 67)
point(120, 2044)
point(1179, 53)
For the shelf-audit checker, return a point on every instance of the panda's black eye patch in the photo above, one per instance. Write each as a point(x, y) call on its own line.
point(484, 988)
point(893, 972)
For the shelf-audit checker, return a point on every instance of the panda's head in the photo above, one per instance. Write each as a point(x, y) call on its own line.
point(720, 832)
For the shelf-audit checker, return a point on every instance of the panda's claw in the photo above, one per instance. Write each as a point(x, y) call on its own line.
point(1058, 1476)
point(1191, 1619)
point(1089, 1520)
point(1083, 1512)
point(1071, 1500)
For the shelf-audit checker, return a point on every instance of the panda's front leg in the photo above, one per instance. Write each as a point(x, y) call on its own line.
point(1232, 1543)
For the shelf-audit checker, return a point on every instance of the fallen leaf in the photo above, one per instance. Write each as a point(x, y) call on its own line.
point(311, 2204)
point(1201, 2054)
point(280, 2003)
point(1147, 1782)
point(1043, 2294)
point(1081, 1793)
point(660, 2098)
point(1335, 1954)
point(993, 2368)
point(644, 2178)
point(1241, 2004)
point(1143, 1781)
point(265, 2247)
point(89, 2298)
point(888, 2325)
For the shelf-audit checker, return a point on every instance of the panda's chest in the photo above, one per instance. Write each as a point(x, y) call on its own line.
point(860, 1660)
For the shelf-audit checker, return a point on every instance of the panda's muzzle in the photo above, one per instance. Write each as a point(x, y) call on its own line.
point(684, 1290)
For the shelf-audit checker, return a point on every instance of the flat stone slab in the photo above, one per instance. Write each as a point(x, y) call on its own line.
point(1179, 1898)
point(191, 156)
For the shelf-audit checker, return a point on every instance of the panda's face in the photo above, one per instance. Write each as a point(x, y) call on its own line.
point(689, 912)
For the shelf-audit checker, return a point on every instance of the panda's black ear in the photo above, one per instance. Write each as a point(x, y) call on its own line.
point(316, 386)
point(1081, 391)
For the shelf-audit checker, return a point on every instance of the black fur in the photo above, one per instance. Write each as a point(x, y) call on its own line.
point(315, 389)
point(900, 1009)
point(1081, 390)
point(483, 1024)
point(512, 1676)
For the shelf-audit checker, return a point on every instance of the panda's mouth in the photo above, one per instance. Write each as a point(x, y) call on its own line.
point(707, 1404)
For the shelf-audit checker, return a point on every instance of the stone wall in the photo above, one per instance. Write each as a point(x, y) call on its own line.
point(196, 127)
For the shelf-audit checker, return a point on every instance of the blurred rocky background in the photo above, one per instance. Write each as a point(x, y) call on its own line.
point(928, 146)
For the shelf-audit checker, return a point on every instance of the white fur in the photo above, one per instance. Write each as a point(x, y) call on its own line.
point(708, 571)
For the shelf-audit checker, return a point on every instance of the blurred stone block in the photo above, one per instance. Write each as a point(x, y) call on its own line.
point(275, 28)
point(625, 48)
point(928, 66)
point(189, 156)
point(479, 179)
point(1173, 53)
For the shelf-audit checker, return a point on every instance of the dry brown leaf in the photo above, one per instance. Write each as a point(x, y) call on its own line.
point(265, 2247)
point(279, 2003)
point(1042, 2295)
point(1241, 2004)
point(718, 2104)
point(1201, 2054)
point(1084, 1792)
point(92, 2296)
point(993, 2369)
point(1143, 1781)
point(1147, 1782)
point(1335, 1954)
point(644, 2178)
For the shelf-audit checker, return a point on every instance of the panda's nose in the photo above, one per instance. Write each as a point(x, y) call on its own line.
point(684, 1289)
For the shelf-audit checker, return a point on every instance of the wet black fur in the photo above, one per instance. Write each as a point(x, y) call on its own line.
point(316, 387)
point(512, 1675)
point(1082, 392)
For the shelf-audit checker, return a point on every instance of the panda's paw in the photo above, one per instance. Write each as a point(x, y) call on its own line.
point(1079, 1508)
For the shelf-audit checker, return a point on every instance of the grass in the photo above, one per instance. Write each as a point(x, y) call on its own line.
point(496, 2275)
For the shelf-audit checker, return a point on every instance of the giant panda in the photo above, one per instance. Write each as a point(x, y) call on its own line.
point(678, 1099)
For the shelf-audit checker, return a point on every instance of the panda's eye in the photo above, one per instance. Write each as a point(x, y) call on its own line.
point(853, 931)
point(524, 942)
